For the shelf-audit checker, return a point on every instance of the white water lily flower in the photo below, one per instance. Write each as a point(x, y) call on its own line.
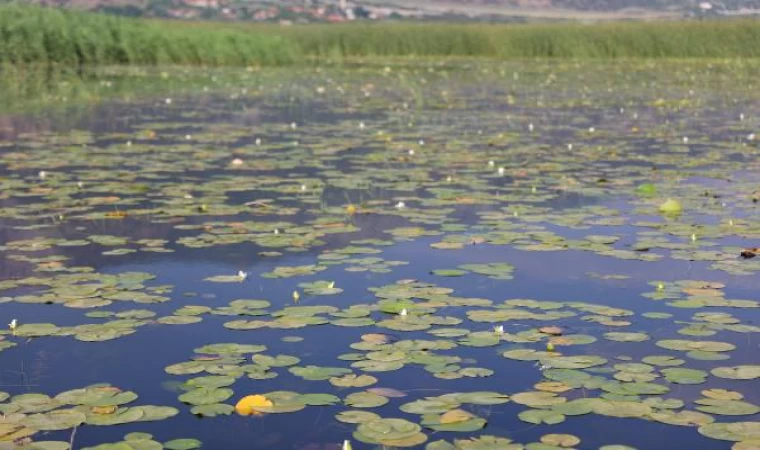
point(276, 231)
point(501, 170)
point(531, 127)
point(80, 184)
point(42, 174)
point(499, 329)
point(13, 325)
point(293, 126)
point(347, 445)
point(258, 141)
point(403, 312)
point(400, 205)
point(168, 101)
point(361, 127)
point(751, 137)
point(411, 152)
point(303, 187)
point(491, 163)
point(242, 275)
point(331, 285)
point(685, 139)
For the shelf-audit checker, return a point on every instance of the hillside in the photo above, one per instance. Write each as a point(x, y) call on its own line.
point(302, 11)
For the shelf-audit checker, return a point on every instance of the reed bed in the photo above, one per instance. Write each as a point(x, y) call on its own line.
point(35, 35)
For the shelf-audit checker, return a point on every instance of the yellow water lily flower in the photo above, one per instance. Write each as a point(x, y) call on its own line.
point(247, 405)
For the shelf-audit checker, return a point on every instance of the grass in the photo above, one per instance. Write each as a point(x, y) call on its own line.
point(718, 39)
point(32, 35)
point(54, 37)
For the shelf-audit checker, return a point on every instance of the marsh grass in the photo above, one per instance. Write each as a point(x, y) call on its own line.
point(55, 37)
point(33, 35)
point(714, 39)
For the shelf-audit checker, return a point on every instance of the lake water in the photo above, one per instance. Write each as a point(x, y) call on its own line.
point(466, 255)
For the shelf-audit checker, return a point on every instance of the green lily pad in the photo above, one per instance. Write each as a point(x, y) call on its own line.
point(182, 444)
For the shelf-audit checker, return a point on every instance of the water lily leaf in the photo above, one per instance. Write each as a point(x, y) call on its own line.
point(378, 366)
point(205, 396)
point(61, 419)
point(223, 349)
point(182, 444)
point(34, 403)
point(449, 272)
point(663, 361)
point(726, 407)
point(722, 394)
point(356, 416)
point(48, 445)
point(97, 396)
point(626, 337)
point(680, 375)
point(736, 431)
point(213, 410)
point(574, 362)
point(430, 406)
point(353, 380)
point(225, 279)
point(384, 431)
point(36, 330)
point(387, 392)
point(560, 440)
point(477, 397)
point(315, 373)
point(122, 415)
point(454, 416)
point(473, 424)
point(537, 399)
point(670, 206)
point(634, 388)
point(705, 346)
point(275, 361)
point(681, 418)
point(365, 400)
point(318, 399)
point(179, 320)
point(210, 382)
point(664, 403)
point(576, 407)
point(152, 413)
point(746, 372)
point(616, 408)
point(539, 416)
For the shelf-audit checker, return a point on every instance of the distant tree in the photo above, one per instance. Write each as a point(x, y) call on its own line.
point(361, 13)
point(126, 10)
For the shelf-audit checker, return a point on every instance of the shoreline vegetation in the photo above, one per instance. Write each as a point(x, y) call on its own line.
point(31, 35)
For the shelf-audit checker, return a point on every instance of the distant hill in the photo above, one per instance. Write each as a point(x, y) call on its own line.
point(298, 11)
